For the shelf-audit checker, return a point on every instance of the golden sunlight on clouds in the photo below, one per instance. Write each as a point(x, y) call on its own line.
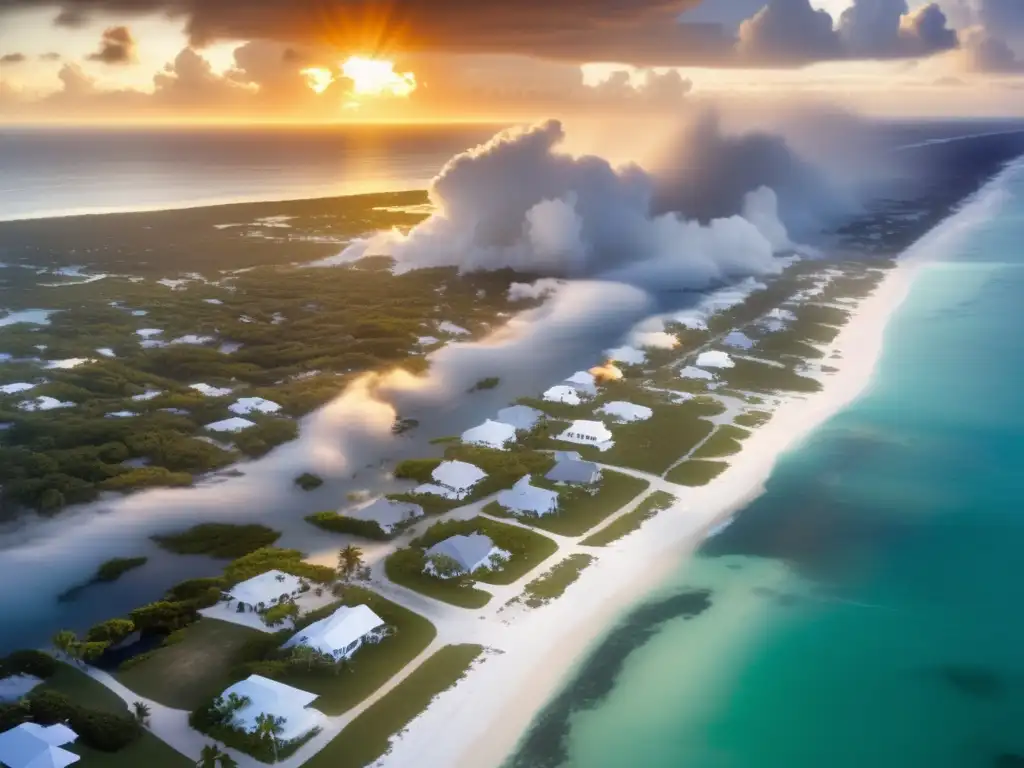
point(376, 77)
point(318, 79)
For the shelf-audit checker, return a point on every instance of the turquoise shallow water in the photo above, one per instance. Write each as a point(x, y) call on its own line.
point(868, 609)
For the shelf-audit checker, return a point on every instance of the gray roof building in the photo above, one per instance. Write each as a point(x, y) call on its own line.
point(520, 416)
point(387, 513)
point(574, 471)
point(470, 552)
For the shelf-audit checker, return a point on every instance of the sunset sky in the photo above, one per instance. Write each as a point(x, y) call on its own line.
point(367, 60)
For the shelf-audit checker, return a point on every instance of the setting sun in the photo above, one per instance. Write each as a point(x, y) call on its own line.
point(376, 77)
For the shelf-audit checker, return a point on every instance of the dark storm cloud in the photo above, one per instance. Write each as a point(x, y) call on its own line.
point(12, 58)
point(117, 46)
point(788, 32)
point(887, 28)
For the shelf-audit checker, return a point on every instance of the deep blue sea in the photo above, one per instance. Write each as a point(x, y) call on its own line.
point(868, 609)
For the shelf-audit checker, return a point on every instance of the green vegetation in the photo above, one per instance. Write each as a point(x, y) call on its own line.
point(724, 442)
point(332, 521)
point(553, 584)
point(489, 383)
point(695, 472)
point(200, 665)
point(307, 481)
point(272, 558)
point(580, 509)
point(147, 751)
point(752, 376)
point(227, 540)
point(752, 419)
point(293, 335)
point(343, 686)
point(416, 469)
point(405, 567)
point(368, 737)
point(28, 662)
point(116, 567)
point(631, 521)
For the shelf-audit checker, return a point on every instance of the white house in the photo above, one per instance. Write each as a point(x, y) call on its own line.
point(13, 389)
point(448, 326)
point(234, 424)
point(342, 633)
point(386, 513)
point(588, 433)
point(583, 382)
point(209, 391)
point(529, 499)
point(627, 355)
point(265, 590)
point(562, 393)
point(573, 471)
point(31, 745)
point(690, 372)
point(520, 416)
point(277, 699)
point(492, 434)
point(43, 403)
point(738, 339)
point(715, 360)
point(245, 405)
point(620, 410)
point(470, 552)
point(453, 480)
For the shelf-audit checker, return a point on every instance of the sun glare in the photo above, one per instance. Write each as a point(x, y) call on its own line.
point(318, 79)
point(376, 77)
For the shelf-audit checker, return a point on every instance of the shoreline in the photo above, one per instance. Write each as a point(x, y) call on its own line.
point(541, 648)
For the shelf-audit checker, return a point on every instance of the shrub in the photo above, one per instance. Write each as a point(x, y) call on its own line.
point(226, 540)
point(416, 469)
point(211, 720)
point(489, 383)
point(202, 592)
point(28, 662)
point(114, 568)
point(271, 558)
point(112, 631)
point(337, 523)
point(307, 481)
point(104, 731)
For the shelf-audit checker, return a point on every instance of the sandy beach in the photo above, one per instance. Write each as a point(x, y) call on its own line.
point(535, 651)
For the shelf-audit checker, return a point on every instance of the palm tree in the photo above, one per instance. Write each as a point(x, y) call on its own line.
point(142, 712)
point(349, 560)
point(303, 653)
point(269, 727)
point(210, 756)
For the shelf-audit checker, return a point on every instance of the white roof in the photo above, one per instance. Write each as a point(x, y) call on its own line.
point(34, 746)
point(458, 474)
point(106, 352)
point(715, 360)
point(277, 699)
point(192, 338)
point(12, 389)
point(334, 633)
point(426, 341)
point(147, 332)
point(629, 355)
point(246, 405)
point(738, 339)
point(206, 389)
point(624, 411)
point(264, 588)
point(43, 403)
point(234, 424)
point(520, 416)
point(494, 434)
point(468, 551)
point(525, 497)
point(121, 414)
point(435, 490)
point(71, 362)
point(148, 395)
point(562, 393)
point(689, 372)
point(582, 380)
point(213, 301)
point(450, 327)
point(593, 429)
point(386, 512)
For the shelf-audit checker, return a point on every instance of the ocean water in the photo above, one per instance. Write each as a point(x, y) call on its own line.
point(58, 172)
point(868, 609)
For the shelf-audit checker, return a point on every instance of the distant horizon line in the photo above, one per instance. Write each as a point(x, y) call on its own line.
point(259, 123)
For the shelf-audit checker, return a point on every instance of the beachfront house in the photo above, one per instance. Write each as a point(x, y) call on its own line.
point(452, 480)
point(690, 372)
point(246, 405)
point(470, 553)
point(714, 359)
point(390, 515)
point(562, 393)
point(263, 591)
point(622, 411)
point(583, 382)
point(491, 434)
point(527, 499)
point(738, 339)
point(31, 745)
point(573, 471)
point(520, 416)
point(342, 633)
point(588, 433)
point(265, 696)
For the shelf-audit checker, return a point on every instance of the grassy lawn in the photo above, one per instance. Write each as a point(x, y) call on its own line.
point(762, 377)
point(372, 665)
point(147, 752)
point(82, 689)
point(188, 673)
point(725, 442)
point(553, 584)
point(368, 737)
point(696, 472)
point(753, 419)
point(405, 566)
point(631, 521)
point(783, 344)
point(579, 511)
